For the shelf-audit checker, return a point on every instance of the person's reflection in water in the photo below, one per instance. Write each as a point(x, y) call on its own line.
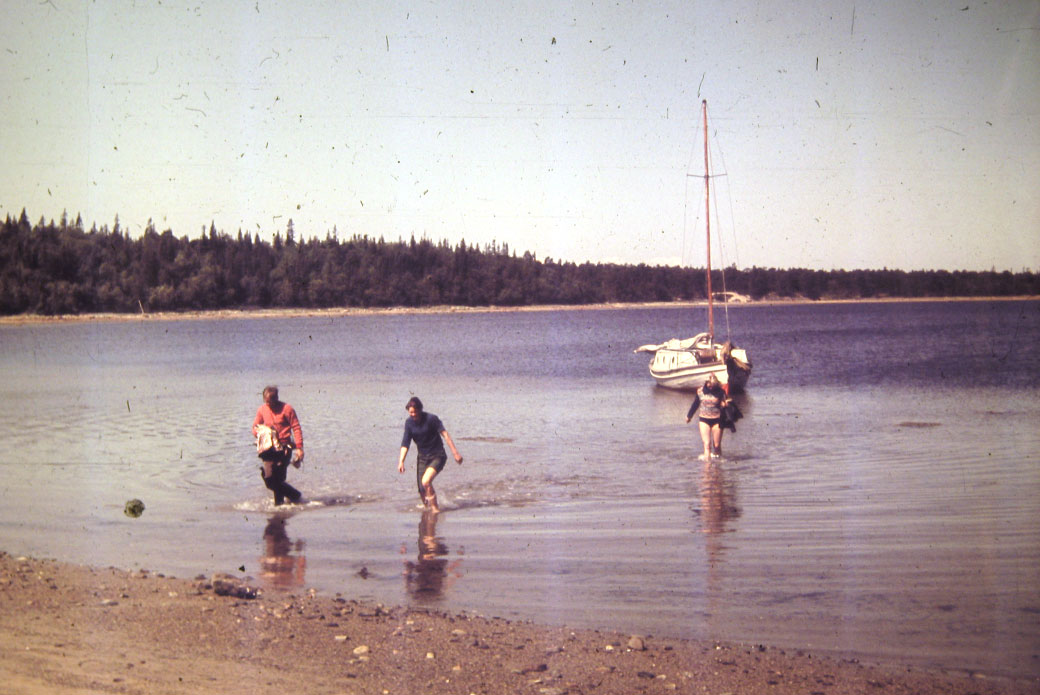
point(428, 576)
point(717, 512)
point(280, 567)
point(717, 509)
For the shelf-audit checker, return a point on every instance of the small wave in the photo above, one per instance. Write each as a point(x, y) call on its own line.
point(339, 500)
point(919, 425)
point(525, 489)
point(252, 506)
point(268, 506)
point(461, 503)
point(489, 503)
point(307, 503)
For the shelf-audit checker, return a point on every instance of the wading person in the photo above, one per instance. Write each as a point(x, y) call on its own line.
point(276, 427)
point(707, 406)
point(427, 431)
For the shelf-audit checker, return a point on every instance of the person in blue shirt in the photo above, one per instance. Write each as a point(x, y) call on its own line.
point(426, 430)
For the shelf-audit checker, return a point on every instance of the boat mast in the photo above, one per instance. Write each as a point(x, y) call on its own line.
point(707, 224)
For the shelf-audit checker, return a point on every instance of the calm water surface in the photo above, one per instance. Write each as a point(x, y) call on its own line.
point(880, 499)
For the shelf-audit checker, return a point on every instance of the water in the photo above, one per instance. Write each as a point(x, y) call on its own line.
point(881, 498)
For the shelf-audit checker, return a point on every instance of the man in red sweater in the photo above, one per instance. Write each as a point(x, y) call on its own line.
point(282, 419)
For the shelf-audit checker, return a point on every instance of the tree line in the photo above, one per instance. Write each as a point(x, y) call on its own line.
point(60, 268)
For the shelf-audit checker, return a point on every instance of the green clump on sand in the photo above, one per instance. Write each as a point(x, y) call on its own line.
point(134, 508)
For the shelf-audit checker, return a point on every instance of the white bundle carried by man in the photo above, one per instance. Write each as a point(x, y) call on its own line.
point(267, 439)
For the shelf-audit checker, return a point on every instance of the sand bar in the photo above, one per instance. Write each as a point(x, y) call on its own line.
point(218, 314)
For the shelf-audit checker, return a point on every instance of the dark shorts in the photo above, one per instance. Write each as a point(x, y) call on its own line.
point(711, 421)
point(282, 458)
point(437, 461)
point(424, 461)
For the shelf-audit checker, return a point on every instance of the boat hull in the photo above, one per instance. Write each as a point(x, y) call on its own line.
point(685, 370)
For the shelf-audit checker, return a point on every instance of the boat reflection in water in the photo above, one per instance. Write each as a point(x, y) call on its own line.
point(283, 564)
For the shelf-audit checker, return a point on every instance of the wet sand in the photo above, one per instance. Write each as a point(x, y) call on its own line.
point(72, 629)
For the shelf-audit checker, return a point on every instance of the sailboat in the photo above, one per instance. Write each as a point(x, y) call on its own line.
point(686, 363)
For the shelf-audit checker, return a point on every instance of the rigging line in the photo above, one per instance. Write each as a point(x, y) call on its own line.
point(719, 245)
point(729, 195)
point(695, 152)
point(732, 229)
point(686, 217)
point(686, 260)
point(686, 204)
point(718, 236)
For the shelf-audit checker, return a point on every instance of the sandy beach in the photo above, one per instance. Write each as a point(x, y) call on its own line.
point(71, 629)
point(214, 314)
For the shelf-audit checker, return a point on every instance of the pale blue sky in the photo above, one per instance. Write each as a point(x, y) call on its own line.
point(852, 134)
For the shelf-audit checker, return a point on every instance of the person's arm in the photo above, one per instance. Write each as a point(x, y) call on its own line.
point(451, 445)
point(693, 407)
point(406, 441)
point(297, 434)
point(258, 420)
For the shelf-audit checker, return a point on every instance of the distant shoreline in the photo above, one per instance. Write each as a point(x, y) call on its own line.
point(221, 314)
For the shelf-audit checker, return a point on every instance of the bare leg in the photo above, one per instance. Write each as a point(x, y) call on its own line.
point(429, 494)
point(705, 438)
point(716, 436)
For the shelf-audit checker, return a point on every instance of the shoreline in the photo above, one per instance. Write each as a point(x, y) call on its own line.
point(338, 312)
point(68, 628)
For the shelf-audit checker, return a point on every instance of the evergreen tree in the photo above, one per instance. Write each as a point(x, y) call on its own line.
point(57, 268)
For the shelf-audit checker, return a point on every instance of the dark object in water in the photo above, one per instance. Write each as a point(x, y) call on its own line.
point(134, 508)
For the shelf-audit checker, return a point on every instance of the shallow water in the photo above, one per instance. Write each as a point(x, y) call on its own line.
point(880, 499)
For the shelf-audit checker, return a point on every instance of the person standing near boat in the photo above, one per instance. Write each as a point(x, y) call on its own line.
point(708, 406)
point(275, 445)
point(427, 431)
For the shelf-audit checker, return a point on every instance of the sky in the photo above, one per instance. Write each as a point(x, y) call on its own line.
point(845, 134)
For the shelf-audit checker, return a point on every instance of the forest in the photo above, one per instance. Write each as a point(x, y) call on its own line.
point(60, 268)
